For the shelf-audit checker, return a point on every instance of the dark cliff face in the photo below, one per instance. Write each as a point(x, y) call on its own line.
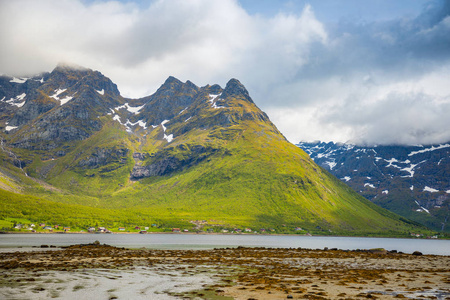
point(60, 107)
point(413, 181)
point(168, 101)
point(55, 111)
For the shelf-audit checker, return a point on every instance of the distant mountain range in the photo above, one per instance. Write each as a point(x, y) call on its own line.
point(75, 152)
point(413, 181)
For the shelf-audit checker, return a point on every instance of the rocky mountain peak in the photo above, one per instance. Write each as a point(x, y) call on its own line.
point(235, 88)
point(65, 67)
point(172, 81)
point(215, 89)
point(77, 77)
point(173, 86)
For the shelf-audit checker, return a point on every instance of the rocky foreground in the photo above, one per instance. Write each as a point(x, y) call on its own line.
point(97, 271)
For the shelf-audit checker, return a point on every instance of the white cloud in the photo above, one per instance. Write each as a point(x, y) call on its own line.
point(378, 82)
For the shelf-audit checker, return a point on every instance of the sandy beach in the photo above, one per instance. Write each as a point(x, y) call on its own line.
point(104, 272)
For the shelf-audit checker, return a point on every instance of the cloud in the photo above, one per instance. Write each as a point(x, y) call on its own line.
point(337, 81)
point(376, 83)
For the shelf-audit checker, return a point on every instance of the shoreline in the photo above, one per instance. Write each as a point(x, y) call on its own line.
point(231, 273)
point(229, 233)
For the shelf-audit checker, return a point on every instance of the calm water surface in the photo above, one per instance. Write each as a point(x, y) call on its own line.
point(205, 241)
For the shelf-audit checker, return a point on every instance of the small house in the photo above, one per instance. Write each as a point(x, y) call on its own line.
point(121, 228)
point(176, 230)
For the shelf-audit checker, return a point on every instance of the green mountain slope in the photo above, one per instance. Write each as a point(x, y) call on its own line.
point(184, 154)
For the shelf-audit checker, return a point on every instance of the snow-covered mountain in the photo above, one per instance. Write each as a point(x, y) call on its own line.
point(413, 181)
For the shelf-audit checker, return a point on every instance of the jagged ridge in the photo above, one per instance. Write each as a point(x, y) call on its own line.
point(185, 152)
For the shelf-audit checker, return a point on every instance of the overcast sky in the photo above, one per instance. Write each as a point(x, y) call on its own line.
point(374, 71)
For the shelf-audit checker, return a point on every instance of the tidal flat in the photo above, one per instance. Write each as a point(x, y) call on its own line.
point(95, 271)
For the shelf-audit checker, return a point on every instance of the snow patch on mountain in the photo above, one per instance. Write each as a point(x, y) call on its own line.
point(369, 185)
point(212, 99)
point(421, 208)
point(331, 164)
point(102, 92)
point(347, 178)
point(135, 110)
point(140, 123)
point(9, 128)
point(164, 122)
point(18, 80)
point(409, 170)
point(391, 163)
point(128, 123)
point(432, 148)
point(57, 93)
point(431, 190)
point(169, 137)
point(65, 100)
point(16, 100)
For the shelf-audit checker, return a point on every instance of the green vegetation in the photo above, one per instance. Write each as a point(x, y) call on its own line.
point(225, 168)
point(267, 183)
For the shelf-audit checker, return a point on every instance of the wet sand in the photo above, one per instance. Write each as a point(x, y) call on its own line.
point(104, 272)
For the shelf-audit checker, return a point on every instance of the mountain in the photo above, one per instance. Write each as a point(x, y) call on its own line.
point(412, 181)
point(75, 152)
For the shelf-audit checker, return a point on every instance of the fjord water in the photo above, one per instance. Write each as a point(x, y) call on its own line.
point(210, 241)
